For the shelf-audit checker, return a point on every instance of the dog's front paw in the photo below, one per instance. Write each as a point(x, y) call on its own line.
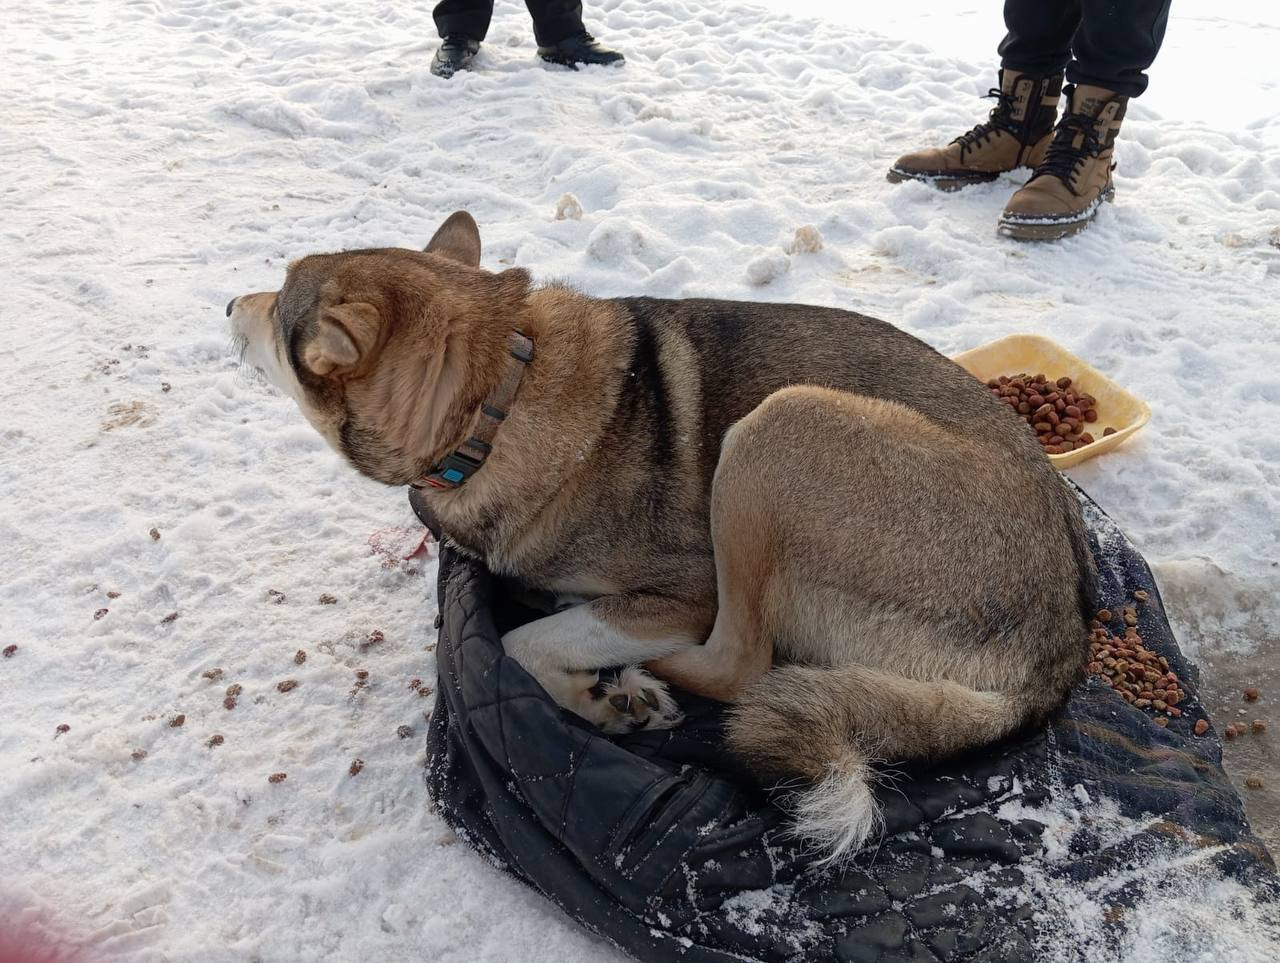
point(632, 701)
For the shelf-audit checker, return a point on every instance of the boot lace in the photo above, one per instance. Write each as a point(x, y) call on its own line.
point(1000, 119)
point(1063, 158)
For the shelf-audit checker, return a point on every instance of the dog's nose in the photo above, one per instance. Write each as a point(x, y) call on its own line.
point(231, 306)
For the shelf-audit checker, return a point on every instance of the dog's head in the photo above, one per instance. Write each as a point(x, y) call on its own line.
point(386, 351)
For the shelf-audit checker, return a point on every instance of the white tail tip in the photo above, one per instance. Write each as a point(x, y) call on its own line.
point(840, 813)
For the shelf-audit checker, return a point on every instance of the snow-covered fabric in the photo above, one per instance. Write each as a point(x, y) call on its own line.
point(1051, 845)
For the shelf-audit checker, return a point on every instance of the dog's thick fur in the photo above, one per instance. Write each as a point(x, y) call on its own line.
point(801, 510)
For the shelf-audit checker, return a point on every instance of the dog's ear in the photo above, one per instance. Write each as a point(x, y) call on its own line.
point(345, 334)
point(458, 239)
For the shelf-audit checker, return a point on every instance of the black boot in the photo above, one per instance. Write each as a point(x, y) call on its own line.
point(456, 53)
point(579, 49)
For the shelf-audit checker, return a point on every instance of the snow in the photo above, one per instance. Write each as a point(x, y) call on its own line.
point(1185, 910)
point(165, 155)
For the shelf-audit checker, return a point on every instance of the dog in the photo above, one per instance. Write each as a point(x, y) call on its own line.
point(801, 511)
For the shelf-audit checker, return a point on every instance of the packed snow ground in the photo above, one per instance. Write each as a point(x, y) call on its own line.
point(162, 156)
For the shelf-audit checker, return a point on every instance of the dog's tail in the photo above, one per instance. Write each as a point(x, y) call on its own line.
point(826, 725)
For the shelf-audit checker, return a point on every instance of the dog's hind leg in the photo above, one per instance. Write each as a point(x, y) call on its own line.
point(746, 541)
point(914, 636)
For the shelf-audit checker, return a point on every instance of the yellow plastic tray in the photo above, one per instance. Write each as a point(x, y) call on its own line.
point(1034, 354)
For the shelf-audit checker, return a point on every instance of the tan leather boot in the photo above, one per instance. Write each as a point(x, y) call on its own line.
point(1067, 189)
point(1016, 134)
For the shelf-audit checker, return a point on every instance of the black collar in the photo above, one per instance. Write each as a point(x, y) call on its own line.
point(453, 470)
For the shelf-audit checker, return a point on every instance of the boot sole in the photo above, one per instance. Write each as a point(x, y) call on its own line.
point(1051, 228)
point(942, 180)
point(445, 72)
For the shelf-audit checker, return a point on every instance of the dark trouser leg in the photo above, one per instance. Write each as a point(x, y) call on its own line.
point(1117, 42)
point(467, 17)
point(1039, 37)
point(1113, 42)
point(555, 20)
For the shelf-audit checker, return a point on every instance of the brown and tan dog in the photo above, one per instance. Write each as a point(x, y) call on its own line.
point(800, 510)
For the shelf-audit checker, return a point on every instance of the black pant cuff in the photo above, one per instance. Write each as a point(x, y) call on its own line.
point(1040, 69)
point(1126, 87)
point(466, 26)
point(551, 32)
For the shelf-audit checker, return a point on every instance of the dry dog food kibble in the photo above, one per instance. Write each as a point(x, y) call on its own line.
point(1201, 727)
point(214, 740)
point(277, 777)
point(1140, 676)
point(9, 650)
point(356, 766)
point(1258, 726)
point(1056, 412)
point(1254, 782)
point(1251, 694)
point(299, 657)
point(287, 685)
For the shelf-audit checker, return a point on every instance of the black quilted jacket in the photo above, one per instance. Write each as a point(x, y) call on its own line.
point(655, 842)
